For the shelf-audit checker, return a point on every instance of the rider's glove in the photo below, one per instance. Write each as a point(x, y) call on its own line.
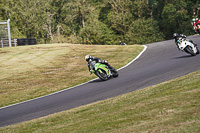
point(90, 72)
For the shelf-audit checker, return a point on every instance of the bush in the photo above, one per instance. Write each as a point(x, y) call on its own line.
point(96, 32)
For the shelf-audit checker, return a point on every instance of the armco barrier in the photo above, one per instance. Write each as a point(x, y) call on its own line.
point(26, 41)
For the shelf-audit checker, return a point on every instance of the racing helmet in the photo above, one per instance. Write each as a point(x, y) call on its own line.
point(87, 57)
point(193, 20)
point(175, 35)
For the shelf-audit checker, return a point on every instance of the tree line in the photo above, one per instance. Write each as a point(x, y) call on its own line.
point(99, 21)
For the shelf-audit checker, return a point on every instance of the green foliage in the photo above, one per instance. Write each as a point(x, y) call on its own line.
point(173, 17)
point(54, 20)
point(120, 16)
point(1, 9)
point(176, 16)
point(143, 31)
point(28, 17)
point(96, 32)
point(140, 9)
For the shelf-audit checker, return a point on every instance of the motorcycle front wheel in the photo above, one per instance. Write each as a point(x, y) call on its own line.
point(102, 74)
point(189, 50)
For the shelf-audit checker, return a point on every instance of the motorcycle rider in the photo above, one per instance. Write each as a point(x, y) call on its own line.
point(121, 43)
point(89, 59)
point(196, 23)
point(177, 36)
point(193, 20)
point(178, 39)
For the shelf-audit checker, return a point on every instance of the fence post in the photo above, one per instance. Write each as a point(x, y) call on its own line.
point(2, 43)
point(15, 42)
point(9, 36)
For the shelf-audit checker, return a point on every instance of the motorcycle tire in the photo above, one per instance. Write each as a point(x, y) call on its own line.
point(189, 50)
point(103, 76)
point(197, 50)
point(115, 74)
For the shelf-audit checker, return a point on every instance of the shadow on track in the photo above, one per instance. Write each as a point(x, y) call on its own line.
point(181, 57)
point(96, 81)
point(99, 80)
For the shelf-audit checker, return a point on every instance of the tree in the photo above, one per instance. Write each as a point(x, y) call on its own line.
point(67, 20)
point(173, 16)
point(119, 17)
point(140, 9)
point(29, 17)
point(96, 32)
point(2, 3)
point(143, 31)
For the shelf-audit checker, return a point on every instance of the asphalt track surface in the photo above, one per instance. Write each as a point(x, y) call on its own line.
point(160, 62)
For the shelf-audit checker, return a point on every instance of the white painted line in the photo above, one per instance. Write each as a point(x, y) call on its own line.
point(145, 47)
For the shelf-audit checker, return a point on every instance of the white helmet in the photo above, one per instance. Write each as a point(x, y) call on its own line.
point(87, 57)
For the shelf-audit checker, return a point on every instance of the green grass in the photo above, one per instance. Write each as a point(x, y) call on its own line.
point(28, 72)
point(172, 106)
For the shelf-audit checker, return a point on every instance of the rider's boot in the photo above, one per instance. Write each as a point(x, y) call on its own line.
point(110, 67)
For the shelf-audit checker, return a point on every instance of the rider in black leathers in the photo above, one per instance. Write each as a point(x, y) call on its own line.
point(89, 59)
point(177, 36)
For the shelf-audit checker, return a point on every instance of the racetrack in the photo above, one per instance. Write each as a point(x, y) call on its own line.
point(160, 62)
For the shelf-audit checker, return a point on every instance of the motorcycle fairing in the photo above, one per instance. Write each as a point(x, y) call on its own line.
point(103, 67)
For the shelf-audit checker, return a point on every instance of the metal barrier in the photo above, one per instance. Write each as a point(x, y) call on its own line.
point(5, 43)
point(26, 41)
point(18, 42)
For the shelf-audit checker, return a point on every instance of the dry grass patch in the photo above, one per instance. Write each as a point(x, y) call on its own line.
point(32, 71)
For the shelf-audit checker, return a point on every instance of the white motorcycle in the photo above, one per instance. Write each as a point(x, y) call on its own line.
point(187, 46)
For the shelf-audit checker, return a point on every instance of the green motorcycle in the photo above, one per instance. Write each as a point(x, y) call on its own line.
point(102, 71)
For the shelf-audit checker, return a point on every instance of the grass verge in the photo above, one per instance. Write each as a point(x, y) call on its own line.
point(31, 71)
point(172, 106)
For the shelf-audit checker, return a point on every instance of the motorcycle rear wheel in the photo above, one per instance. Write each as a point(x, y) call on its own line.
point(197, 50)
point(115, 74)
